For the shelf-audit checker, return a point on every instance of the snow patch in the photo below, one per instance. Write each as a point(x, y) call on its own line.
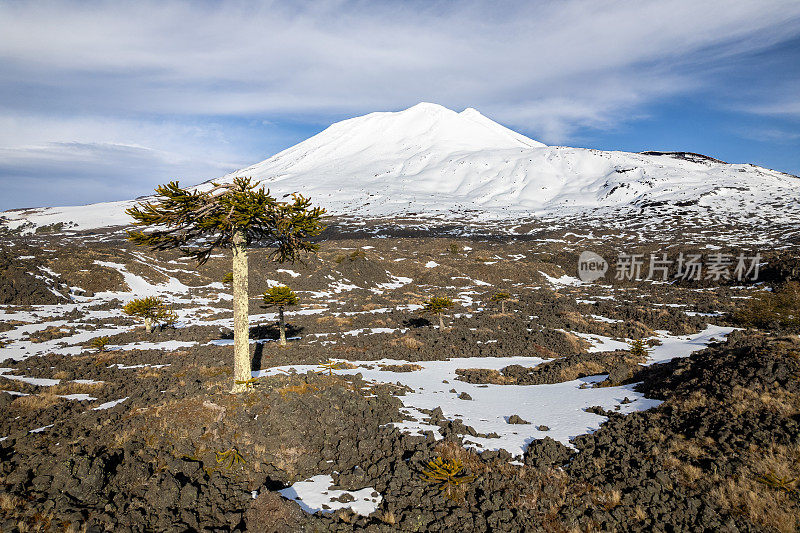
point(109, 405)
point(559, 406)
point(314, 493)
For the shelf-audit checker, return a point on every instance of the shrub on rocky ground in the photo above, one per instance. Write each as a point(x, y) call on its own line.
point(639, 349)
point(100, 343)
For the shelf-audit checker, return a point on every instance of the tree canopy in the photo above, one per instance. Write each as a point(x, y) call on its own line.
point(279, 296)
point(149, 307)
point(639, 349)
point(500, 296)
point(437, 305)
point(197, 222)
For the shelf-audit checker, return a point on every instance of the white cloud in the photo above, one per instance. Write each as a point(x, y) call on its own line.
point(786, 108)
point(769, 135)
point(76, 160)
point(78, 173)
point(547, 68)
point(345, 57)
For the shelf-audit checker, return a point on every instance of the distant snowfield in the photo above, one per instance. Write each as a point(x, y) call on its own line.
point(560, 406)
point(429, 160)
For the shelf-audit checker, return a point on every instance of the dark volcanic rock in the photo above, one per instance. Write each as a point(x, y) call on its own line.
point(547, 452)
point(272, 513)
point(516, 419)
point(18, 285)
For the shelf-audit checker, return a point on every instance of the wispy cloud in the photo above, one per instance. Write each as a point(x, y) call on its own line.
point(770, 135)
point(784, 108)
point(86, 173)
point(152, 73)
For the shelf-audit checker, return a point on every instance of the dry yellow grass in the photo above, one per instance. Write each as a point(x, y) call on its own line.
point(335, 320)
point(408, 342)
point(574, 343)
point(213, 371)
point(450, 451)
point(408, 367)
point(288, 456)
point(70, 387)
point(774, 399)
point(179, 418)
point(599, 463)
point(692, 448)
point(584, 368)
point(771, 509)
point(690, 473)
point(608, 500)
point(50, 333)
point(695, 400)
point(302, 388)
point(543, 485)
point(763, 493)
point(42, 400)
point(655, 434)
point(12, 385)
point(11, 507)
point(9, 502)
point(148, 372)
point(387, 517)
point(638, 513)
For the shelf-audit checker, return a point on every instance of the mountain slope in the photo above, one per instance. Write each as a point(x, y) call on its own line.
point(429, 160)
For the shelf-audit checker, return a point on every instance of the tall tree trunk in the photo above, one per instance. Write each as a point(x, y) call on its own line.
point(502, 307)
point(241, 323)
point(441, 322)
point(282, 326)
point(148, 324)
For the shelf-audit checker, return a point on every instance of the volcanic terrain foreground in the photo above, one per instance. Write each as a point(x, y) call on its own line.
point(538, 416)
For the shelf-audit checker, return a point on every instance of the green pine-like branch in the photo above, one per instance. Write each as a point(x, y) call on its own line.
point(198, 222)
point(279, 296)
point(437, 305)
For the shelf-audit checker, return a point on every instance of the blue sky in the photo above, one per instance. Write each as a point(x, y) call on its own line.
point(104, 100)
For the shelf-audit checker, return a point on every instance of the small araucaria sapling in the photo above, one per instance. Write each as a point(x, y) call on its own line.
point(437, 305)
point(280, 297)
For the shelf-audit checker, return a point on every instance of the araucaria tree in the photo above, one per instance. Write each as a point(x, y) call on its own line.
point(501, 297)
point(437, 305)
point(280, 297)
point(230, 215)
point(639, 349)
point(152, 310)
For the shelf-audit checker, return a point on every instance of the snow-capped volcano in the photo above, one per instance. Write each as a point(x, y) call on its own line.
point(386, 137)
point(430, 160)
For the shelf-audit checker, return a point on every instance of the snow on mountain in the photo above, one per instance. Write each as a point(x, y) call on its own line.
point(430, 160)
